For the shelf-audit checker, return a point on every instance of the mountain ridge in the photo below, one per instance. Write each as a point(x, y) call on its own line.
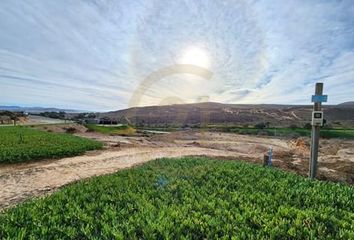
point(238, 114)
point(37, 109)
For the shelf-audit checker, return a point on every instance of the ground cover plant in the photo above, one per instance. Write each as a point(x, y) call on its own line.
point(188, 198)
point(325, 133)
point(125, 130)
point(337, 133)
point(19, 144)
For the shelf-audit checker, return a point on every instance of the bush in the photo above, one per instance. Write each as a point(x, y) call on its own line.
point(70, 130)
point(308, 126)
point(260, 125)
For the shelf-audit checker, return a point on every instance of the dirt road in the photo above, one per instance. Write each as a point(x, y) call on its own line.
point(22, 181)
point(27, 180)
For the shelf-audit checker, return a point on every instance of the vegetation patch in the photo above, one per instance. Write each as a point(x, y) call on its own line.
point(189, 198)
point(344, 133)
point(20, 144)
point(337, 133)
point(124, 130)
point(295, 132)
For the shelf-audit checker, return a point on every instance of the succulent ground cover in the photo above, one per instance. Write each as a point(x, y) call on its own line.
point(20, 144)
point(188, 198)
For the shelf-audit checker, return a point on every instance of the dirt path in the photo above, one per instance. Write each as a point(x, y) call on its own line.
point(20, 182)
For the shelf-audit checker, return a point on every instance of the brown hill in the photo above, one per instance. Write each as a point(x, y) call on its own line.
point(347, 104)
point(210, 113)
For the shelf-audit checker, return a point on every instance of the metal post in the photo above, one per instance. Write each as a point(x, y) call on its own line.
point(270, 154)
point(315, 136)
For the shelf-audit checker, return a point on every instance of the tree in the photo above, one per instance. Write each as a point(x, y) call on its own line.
point(15, 119)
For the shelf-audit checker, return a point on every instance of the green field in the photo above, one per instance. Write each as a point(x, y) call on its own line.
point(188, 198)
point(345, 133)
point(325, 133)
point(112, 130)
point(20, 144)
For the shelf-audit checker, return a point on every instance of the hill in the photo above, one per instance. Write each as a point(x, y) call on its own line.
point(210, 113)
point(347, 104)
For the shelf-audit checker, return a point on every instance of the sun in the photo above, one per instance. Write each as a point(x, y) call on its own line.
point(195, 56)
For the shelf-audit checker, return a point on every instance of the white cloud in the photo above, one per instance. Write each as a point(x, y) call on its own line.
point(94, 54)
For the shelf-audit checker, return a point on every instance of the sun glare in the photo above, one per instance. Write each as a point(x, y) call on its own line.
point(195, 56)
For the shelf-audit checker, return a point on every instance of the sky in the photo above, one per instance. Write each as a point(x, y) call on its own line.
point(101, 55)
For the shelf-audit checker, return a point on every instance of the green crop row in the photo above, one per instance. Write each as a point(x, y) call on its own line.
point(112, 130)
point(324, 133)
point(188, 198)
point(19, 144)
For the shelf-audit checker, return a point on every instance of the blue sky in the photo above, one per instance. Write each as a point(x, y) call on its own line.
point(96, 54)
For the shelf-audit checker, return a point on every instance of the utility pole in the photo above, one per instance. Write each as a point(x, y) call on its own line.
point(317, 122)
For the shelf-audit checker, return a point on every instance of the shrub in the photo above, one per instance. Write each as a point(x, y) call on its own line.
point(70, 130)
point(260, 125)
point(308, 126)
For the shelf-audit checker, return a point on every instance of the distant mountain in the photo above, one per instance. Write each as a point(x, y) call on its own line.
point(36, 109)
point(235, 114)
point(347, 104)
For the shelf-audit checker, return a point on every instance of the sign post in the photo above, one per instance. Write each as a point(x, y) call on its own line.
point(270, 154)
point(317, 122)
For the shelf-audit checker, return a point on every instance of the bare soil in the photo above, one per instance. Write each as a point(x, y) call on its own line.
point(19, 182)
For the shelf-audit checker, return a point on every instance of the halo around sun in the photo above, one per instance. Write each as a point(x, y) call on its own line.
point(195, 56)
